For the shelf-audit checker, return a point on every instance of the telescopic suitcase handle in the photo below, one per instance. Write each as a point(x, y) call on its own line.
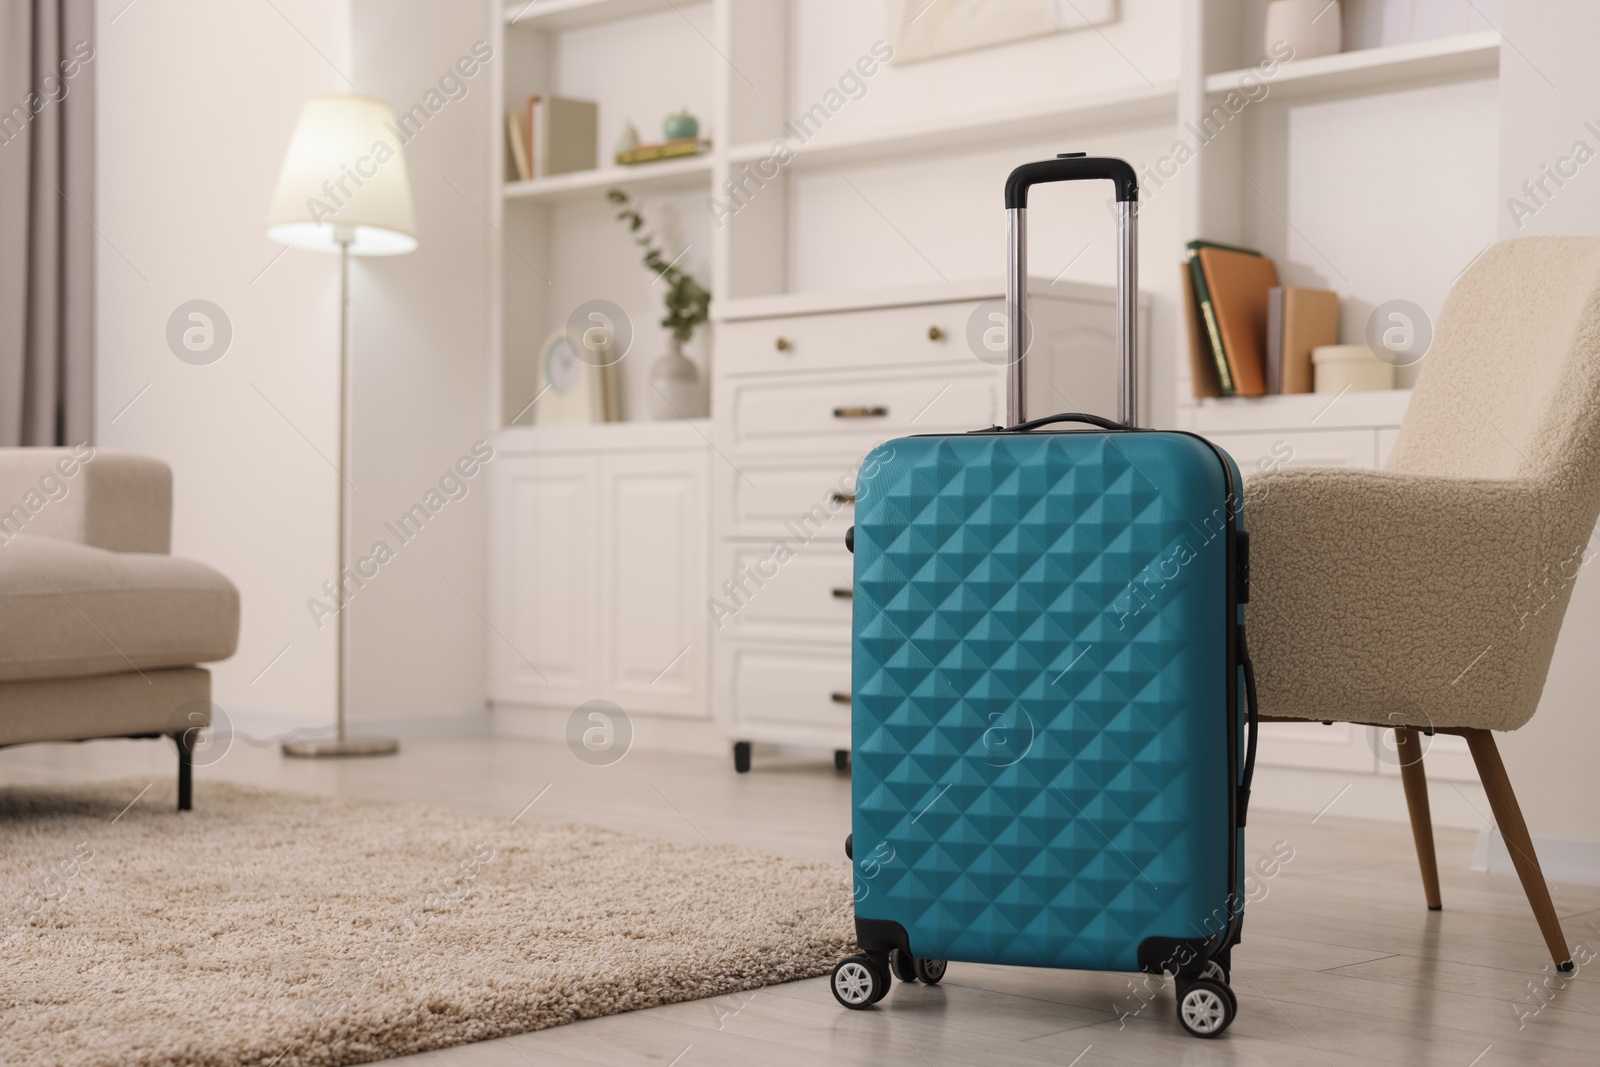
point(1072, 167)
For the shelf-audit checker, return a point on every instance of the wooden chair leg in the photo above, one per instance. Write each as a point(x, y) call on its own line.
point(1408, 743)
point(1508, 817)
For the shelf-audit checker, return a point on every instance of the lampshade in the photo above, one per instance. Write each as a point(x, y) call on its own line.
point(344, 181)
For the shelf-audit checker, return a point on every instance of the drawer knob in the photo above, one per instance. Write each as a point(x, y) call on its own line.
point(841, 498)
point(843, 592)
point(935, 334)
point(860, 413)
point(841, 698)
point(782, 344)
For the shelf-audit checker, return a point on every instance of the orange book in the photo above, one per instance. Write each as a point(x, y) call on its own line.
point(1310, 319)
point(1238, 284)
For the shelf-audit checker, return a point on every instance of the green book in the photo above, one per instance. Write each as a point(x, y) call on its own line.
point(1208, 314)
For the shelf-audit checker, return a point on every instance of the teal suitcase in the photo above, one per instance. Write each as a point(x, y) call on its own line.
point(1053, 715)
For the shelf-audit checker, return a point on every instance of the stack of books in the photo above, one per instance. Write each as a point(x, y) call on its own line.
point(649, 153)
point(1248, 335)
point(552, 135)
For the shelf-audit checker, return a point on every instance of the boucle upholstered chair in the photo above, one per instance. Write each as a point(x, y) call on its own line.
point(100, 629)
point(1428, 595)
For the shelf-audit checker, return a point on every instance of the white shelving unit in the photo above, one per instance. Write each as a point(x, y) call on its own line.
point(668, 174)
point(1271, 179)
point(1250, 185)
point(944, 136)
point(1467, 55)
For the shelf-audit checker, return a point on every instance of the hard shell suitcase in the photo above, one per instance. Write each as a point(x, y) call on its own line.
point(1053, 714)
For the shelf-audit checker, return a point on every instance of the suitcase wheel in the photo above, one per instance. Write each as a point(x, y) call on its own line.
point(909, 968)
point(859, 982)
point(1206, 1007)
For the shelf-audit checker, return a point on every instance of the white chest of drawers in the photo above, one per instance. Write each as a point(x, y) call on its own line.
point(804, 388)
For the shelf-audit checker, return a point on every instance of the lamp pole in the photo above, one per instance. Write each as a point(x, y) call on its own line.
point(343, 744)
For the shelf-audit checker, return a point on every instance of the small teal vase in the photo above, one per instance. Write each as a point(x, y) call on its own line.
point(678, 126)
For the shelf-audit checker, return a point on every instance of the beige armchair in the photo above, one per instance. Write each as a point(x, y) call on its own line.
point(1427, 596)
point(102, 627)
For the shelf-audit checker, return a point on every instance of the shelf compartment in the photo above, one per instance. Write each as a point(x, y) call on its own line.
point(1122, 106)
point(1286, 411)
point(554, 15)
point(1458, 57)
point(666, 175)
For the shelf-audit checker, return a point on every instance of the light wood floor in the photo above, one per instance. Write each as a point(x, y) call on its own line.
point(1341, 962)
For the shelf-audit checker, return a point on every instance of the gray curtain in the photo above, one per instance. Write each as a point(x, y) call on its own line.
point(46, 237)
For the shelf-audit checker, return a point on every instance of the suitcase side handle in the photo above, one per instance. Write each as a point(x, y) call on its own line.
point(1253, 724)
point(1074, 166)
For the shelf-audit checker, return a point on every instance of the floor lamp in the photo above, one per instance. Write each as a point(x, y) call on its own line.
point(344, 189)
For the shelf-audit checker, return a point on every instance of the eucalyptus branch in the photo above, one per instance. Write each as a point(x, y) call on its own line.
point(688, 304)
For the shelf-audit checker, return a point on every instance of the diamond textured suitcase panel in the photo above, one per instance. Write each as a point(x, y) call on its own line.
point(1040, 695)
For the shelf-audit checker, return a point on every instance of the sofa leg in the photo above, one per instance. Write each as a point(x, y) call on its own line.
point(1409, 745)
point(185, 770)
point(1508, 817)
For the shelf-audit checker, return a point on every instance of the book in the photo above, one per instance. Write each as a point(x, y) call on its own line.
point(1213, 335)
point(530, 125)
point(516, 149)
point(1310, 319)
point(649, 153)
point(564, 135)
point(1275, 339)
point(1202, 368)
point(1236, 302)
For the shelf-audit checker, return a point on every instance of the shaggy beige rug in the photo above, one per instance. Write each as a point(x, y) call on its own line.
point(272, 929)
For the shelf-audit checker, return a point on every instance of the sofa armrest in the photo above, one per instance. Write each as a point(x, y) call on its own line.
point(1386, 597)
point(103, 497)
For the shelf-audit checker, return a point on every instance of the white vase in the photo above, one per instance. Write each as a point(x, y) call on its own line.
point(1310, 27)
point(676, 391)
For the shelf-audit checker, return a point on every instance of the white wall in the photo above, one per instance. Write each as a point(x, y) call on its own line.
point(1550, 87)
point(421, 345)
point(196, 102)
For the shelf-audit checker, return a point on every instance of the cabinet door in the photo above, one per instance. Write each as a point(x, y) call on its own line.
point(655, 555)
point(544, 579)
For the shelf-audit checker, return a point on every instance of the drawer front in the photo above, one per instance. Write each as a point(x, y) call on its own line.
point(766, 499)
point(784, 687)
point(1269, 450)
point(841, 340)
point(799, 415)
point(806, 596)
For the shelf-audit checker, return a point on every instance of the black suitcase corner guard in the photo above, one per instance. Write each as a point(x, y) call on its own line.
point(1177, 955)
point(881, 935)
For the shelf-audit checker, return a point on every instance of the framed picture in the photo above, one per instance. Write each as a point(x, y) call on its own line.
point(927, 29)
point(569, 388)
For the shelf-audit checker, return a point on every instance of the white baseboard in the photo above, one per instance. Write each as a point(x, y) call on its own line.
point(1561, 859)
point(651, 733)
point(1455, 805)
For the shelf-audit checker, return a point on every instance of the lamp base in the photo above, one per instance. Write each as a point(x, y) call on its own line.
point(338, 748)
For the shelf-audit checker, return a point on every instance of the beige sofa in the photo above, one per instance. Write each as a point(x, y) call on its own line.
point(102, 629)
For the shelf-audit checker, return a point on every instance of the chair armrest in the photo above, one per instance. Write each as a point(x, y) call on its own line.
point(1386, 597)
point(103, 497)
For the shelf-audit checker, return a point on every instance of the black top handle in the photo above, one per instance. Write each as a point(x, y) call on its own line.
point(1074, 167)
point(1070, 416)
